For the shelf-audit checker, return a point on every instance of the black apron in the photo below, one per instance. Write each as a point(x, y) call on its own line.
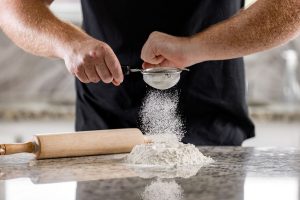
point(212, 95)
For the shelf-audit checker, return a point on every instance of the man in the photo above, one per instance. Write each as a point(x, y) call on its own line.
point(207, 35)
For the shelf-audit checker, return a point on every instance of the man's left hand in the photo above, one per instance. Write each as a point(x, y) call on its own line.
point(163, 50)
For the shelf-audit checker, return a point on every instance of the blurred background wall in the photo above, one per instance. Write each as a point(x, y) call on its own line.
point(29, 78)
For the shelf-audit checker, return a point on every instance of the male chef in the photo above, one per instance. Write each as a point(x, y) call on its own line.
point(208, 36)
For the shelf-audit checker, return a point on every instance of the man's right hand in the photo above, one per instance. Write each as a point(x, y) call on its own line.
point(91, 60)
point(43, 34)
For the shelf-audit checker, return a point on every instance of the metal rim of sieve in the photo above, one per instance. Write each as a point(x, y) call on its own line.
point(161, 70)
point(172, 77)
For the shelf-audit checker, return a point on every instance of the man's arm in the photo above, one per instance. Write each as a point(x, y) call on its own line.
point(32, 26)
point(266, 24)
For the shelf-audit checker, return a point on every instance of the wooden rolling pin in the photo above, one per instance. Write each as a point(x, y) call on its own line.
point(78, 143)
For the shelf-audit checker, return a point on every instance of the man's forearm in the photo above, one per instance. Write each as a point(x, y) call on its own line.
point(32, 26)
point(264, 25)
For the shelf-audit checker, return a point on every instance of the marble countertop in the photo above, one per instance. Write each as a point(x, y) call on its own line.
point(237, 173)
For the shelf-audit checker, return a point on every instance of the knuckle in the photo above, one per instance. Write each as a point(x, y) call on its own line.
point(101, 48)
point(154, 34)
point(85, 59)
point(105, 46)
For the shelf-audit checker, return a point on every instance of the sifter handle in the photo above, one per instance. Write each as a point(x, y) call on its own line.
point(126, 69)
point(7, 149)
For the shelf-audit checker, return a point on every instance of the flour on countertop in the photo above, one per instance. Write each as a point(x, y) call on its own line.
point(164, 127)
point(167, 154)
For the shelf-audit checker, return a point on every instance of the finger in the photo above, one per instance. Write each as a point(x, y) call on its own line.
point(80, 74)
point(115, 83)
point(104, 73)
point(167, 63)
point(114, 66)
point(151, 65)
point(100, 65)
point(164, 63)
point(92, 74)
point(147, 65)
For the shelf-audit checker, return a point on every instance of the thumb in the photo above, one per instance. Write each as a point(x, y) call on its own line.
point(164, 63)
point(157, 63)
point(167, 63)
point(156, 60)
point(146, 65)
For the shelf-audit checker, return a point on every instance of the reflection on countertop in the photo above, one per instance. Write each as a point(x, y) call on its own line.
point(237, 173)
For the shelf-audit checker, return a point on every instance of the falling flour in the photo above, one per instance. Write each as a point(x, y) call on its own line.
point(159, 114)
point(162, 124)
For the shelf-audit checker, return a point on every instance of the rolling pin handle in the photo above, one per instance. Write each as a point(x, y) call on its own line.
point(7, 149)
point(2, 149)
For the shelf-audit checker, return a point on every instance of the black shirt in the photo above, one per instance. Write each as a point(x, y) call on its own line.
point(212, 95)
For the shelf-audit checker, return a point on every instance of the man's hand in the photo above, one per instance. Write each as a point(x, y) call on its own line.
point(43, 34)
point(93, 61)
point(167, 51)
point(264, 25)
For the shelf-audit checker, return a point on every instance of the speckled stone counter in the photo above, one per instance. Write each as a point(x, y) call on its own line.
point(237, 173)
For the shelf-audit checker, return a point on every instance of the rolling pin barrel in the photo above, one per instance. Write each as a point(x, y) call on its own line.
point(79, 143)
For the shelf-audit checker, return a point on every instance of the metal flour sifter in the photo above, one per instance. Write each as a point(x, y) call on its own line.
point(161, 78)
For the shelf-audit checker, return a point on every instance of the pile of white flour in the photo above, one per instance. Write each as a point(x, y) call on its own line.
point(164, 127)
point(167, 153)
